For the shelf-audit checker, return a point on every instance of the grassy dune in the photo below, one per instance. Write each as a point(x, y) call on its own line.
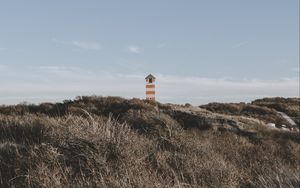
point(113, 142)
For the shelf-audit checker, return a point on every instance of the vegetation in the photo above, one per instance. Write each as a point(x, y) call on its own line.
point(290, 106)
point(265, 109)
point(114, 142)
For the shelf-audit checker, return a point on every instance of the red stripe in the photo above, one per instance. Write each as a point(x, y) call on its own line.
point(150, 86)
point(150, 92)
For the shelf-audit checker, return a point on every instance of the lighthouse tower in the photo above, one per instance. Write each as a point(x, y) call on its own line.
point(150, 87)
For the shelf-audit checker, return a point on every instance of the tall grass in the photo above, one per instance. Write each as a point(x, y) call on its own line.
point(85, 149)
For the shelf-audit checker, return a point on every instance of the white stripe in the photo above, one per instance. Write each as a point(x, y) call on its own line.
point(150, 96)
point(150, 89)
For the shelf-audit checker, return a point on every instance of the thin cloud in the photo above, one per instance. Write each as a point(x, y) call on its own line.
point(2, 49)
point(161, 45)
point(203, 90)
point(3, 67)
point(134, 49)
point(55, 40)
point(86, 45)
point(68, 82)
point(241, 44)
point(296, 69)
point(62, 72)
point(55, 69)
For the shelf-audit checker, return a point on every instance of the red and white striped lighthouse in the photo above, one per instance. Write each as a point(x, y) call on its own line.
point(150, 87)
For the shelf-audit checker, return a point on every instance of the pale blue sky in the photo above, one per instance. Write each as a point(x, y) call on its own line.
point(216, 50)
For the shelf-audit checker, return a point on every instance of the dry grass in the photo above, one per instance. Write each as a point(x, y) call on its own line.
point(265, 113)
point(290, 106)
point(138, 147)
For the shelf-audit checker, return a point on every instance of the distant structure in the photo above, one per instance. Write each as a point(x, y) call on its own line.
point(150, 87)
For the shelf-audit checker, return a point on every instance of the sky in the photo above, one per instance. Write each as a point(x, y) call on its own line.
point(200, 51)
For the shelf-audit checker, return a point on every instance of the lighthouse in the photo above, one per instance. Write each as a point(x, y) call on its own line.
point(150, 87)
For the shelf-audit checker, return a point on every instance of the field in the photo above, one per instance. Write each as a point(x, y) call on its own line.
point(114, 142)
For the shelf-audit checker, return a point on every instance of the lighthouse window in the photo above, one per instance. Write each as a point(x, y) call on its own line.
point(150, 80)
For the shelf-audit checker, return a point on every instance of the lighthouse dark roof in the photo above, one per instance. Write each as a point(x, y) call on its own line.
point(150, 76)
